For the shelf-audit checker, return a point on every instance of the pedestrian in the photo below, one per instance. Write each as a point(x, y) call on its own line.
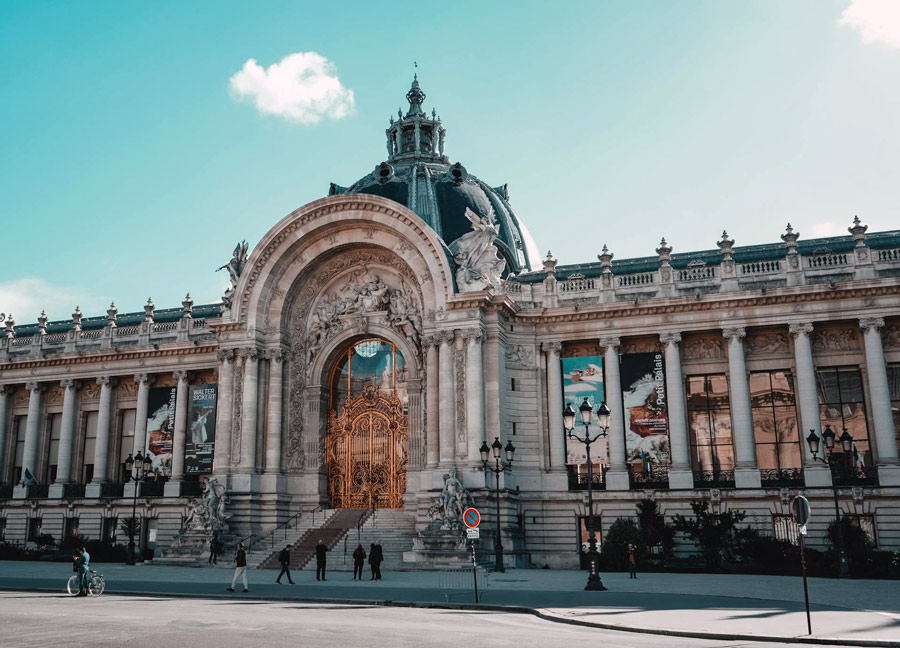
point(240, 570)
point(359, 557)
point(632, 563)
point(213, 551)
point(321, 550)
point(83, 567)
point(372, 560)
point(284, 557)
point(376, 557)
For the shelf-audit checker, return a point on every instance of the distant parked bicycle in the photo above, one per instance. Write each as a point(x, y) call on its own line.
point(96, 584)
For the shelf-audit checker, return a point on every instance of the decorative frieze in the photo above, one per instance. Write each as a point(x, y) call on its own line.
point(843, 338)
point(768, 343)
point(703, 347)
point(520, 355)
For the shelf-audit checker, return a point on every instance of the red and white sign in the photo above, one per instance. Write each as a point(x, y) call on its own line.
point(471, 518)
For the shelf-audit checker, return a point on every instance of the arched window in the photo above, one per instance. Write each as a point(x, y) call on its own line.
point(372, 361)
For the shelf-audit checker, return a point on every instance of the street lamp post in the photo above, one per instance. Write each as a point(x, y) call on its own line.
point(497, 468)
point(569, 414)
point(138, 468)
point(846, 441)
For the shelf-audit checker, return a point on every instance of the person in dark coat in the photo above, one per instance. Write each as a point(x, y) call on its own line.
point(321, 550)
point(213, 551)
point(376, 557)
point(359, 558)
point(240, 570)
point(284, 557)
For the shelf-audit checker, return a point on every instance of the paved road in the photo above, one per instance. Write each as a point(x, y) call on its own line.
point(40, 620)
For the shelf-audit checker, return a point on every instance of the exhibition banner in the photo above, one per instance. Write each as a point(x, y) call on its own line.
point(200, 444)
point(161, 429)
point(583, 377)
point(646, 413)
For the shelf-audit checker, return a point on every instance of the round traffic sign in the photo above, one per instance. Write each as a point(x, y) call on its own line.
point(471, 518)
point(800, 510)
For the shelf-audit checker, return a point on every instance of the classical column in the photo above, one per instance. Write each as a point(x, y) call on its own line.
point(5, 390)
point(273, 413)
point(180, 433)
point(67, 430)
point(555, 406)
point(224, 405)
point(880, 395)
point(432, 402)
point(32, 427)
point(814, 473)
point(104, 429)
point(746, 472)
point(448, 401)
point(248, 411)
point(680, 475)
point(474, 395)
point(143, 382)
point(617, 475)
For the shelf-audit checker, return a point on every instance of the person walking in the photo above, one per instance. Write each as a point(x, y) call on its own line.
point(83, 567)
point(376, 557)
point(321, 550)
point(632, 562)
point(213, 551)
point(284, 557)
point(240, 570)
point(359, 558)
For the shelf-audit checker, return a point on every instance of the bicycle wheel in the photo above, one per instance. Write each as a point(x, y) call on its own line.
point(96, 586)
point(72, 584)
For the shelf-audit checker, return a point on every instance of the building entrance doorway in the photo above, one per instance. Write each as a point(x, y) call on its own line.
point(368, 427)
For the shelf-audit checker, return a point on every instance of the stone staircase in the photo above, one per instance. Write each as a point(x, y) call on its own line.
point(331, 531)
point(393, 528)
point(260, 550)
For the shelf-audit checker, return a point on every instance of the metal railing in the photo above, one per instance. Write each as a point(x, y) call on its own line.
point(714, 478)
point(37, 491)
point(151, 488)
point(657, 477)
point(112, 489)
point(778, 477)
point(578, 481)
point(291, 522)
point(73, 490)
point(461, 580)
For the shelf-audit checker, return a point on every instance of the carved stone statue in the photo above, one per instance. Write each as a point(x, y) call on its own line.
point(207, 513)
point(447, 509)
point(235, 267)
point(478, 265)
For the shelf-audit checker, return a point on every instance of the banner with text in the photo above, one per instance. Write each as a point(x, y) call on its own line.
point(583, 377)
point(161, 429)
point(646, 412)
point(200, 444)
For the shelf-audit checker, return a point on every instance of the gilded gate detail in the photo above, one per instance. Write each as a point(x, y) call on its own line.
point(366, 455)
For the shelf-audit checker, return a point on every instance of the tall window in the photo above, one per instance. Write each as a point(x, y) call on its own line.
point(893, 372)
point(376, 362)
point(709, 417)
point(53, 457)
point(20, 448)
point(126, 435)
point(90, 444)
point(775, 426)
point(842, 405)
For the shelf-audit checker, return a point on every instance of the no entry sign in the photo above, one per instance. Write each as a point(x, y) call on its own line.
point(471, 518)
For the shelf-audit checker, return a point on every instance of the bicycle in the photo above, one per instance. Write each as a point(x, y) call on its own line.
point(96, 584)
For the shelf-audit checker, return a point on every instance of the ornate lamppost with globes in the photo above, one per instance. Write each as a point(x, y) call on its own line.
point(498, 467)
point(586, 412)
point(138, 468)
point(846, 441)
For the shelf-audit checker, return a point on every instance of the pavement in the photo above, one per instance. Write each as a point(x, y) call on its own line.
point(708, 606)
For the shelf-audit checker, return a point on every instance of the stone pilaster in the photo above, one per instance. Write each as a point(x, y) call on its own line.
point(555, 406)
point(67, 430)
point(224, 410)
point(746, 472)
point(814, 473)
point(104, 430)
point(179, 436)
point(446, 391)
point(617, 475)
point(680, 472)
point(144, 382)
point(4, 426)
point(32, 427)
point(247, 463)
point(474, 395)
point(879, 392)
point(432, 402)
point(274, 407)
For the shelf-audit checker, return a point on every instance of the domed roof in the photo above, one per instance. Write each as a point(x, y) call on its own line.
point(420, 177)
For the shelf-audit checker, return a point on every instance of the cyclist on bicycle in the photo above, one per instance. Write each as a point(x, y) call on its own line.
point(83, 566)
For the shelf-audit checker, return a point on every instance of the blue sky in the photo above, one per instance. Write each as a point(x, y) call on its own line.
point(129, 167)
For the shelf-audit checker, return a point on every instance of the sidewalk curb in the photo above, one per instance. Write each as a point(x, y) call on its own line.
point(541, 613)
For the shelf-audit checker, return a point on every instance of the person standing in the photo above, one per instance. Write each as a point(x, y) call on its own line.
point(83, 565)
point(376, 557)
point(284, 557)
point(359, 558)
point(240, 570)
point(372, 560)
point(213, 551)
point(321, 550)
point(632, 562)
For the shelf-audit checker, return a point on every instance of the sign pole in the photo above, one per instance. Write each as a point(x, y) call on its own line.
point(805, 588)
point(474, 571)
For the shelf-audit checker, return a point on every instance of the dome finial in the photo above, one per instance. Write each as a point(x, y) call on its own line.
point(415, 97)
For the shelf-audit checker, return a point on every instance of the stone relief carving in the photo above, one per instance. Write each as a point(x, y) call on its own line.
point(640, 346)
point(768, 343)
point(55, 396)
point(127, 390)
point(835, 339)
point(890, 336)
point(91, 392)
point(704, 348)
point(235, 267)
point(478, 264)
point(206, 514)
point(236, 412)
point(461, 357)
point(518, 354)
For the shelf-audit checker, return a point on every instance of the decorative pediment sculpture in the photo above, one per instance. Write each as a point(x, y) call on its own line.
point(235, 267)
point(478, 266)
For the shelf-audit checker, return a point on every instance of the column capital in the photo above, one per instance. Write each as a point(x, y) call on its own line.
point(473, 336)
point(70, 383)
point(181, 375)
point(670, 338)
point(6, 389)
point(429, 341)
point(277, 355)
point(445, 337)
point(225, 355)
point(801, 328)
point(551, 347)
point(106, 381)
point(249, 353)
point(34, 386)
point(736, 333)
point(871, 323)
point(144, 379)
point(611, 342)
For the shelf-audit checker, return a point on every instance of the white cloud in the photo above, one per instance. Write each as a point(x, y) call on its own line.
point(26, 298)
point(302, 87)
point(877, 21)
point(821, 230)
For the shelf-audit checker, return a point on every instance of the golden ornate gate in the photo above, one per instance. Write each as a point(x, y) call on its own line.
point(365, 453)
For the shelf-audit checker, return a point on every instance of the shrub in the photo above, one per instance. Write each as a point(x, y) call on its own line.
point(614, 550)
point(715, 534)
point(45, 542)
point(654, 530)
point(858, 547)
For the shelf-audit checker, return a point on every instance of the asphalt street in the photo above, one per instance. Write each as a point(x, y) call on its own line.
point(40, 620)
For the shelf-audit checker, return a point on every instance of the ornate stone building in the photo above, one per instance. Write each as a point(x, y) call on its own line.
point(375, 338)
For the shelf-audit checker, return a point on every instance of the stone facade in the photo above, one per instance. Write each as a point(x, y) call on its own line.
point(483, 359)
